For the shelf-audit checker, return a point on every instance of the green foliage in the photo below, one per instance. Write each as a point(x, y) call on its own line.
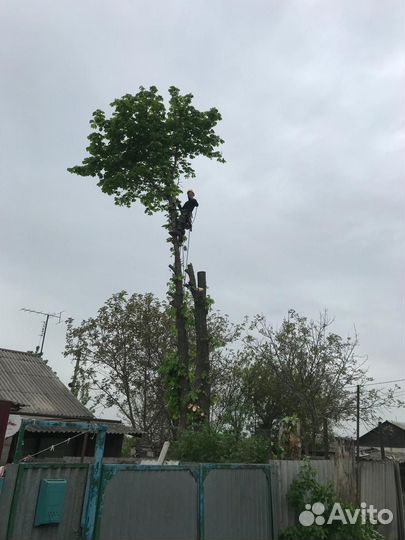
point(207, 445)
point(305, 489)
point(125, 357)
point(139, 153)
point(253, 449)
point(82, 391)
point(117, 355)
point(304, 369)
point(129, 445)
point(171, 373)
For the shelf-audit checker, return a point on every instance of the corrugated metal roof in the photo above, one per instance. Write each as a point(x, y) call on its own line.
point(113, 428)
point(116, 428)
point(25, 378)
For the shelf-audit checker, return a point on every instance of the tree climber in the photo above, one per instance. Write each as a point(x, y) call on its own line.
point(184, 221)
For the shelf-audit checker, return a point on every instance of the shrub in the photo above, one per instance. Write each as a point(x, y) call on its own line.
point(207, 445)
point(305, 489)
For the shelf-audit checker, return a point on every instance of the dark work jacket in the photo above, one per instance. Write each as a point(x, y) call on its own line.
point(189, 206)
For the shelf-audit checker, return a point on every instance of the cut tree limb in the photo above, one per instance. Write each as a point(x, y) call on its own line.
point(202, 368)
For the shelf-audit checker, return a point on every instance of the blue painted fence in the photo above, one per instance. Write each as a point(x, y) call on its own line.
point(201, 502)
point(196, 502)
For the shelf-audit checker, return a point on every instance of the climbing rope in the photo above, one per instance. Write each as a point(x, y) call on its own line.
point(187, 249)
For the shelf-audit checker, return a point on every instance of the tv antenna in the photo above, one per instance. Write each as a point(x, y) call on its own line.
point(45, 323)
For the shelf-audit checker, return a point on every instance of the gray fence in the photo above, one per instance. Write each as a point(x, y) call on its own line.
point(212, 502)
point(19, 498)
point(284, 473)
point(142, 504)
point(216, 502)
point(378, 487)
point(238, 503)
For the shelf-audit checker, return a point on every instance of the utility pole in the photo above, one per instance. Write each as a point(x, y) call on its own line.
point(381, 439)
point(45, 323)
point(357, 465)
point(358, 422)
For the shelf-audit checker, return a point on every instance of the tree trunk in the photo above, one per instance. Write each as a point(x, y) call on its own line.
point(181, 328)
point(202, 367)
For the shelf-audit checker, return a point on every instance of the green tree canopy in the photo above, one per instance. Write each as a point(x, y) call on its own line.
point(140, 152)
point(118, 354)
point(304, 369)
point(124, 354)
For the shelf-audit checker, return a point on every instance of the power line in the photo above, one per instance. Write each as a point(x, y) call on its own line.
point(384, 382)
point(376, 383)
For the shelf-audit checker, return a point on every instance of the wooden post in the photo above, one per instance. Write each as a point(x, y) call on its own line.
point(358, 422)
point(19, 447)
point(84, 446)
point(163, 453)
point(381, 439)
point(358, 444)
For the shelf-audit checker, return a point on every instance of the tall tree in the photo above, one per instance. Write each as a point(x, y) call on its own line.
point(304, 369)
point(118, 355)
point(123, 358)
point(139, 154)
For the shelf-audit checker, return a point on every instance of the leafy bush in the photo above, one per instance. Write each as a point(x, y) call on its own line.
point(305, 489)
point(207, 445)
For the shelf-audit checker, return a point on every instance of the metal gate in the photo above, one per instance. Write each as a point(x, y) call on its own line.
point(201, 502)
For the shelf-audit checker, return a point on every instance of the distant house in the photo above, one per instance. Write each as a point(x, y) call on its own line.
point(393, 438)
point(37, 393)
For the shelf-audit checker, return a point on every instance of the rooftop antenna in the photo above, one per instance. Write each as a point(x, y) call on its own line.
point(44, 324)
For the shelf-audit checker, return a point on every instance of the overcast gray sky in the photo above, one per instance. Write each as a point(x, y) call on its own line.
point(308, 211)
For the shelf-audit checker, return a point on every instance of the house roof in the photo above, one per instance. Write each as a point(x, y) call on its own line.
point(401, 425)
point(393, 435)
point(26, 379)
point(114, 427)
point(386, 423)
